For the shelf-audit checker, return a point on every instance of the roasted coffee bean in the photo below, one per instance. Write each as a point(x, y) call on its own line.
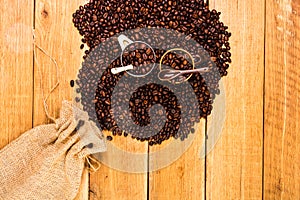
point(77, 99)
point(109, 138)
point(91, 145)
point(98, 20)
point(72, 83)
point(80, 124)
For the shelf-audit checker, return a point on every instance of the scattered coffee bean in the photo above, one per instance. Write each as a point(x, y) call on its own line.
point(80, 124)
point(91, 145)
point(109, 138)
point(72, 83)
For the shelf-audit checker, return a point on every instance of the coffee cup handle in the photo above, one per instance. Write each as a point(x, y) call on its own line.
point(124, 41)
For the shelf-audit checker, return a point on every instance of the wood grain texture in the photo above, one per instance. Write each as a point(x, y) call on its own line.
point(183, 179)
point(110, 183)
point(83, 193)
point(16, 75)
point(282, 99)
point(55, 34)
point(234, 166)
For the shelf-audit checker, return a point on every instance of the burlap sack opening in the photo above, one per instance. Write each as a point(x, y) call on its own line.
point(48, 161)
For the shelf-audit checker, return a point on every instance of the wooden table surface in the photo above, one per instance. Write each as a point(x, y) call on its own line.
point(258, 153)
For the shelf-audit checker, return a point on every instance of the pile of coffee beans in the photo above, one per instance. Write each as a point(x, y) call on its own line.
point(177, 60)
point(140, 56)
point(100, 20)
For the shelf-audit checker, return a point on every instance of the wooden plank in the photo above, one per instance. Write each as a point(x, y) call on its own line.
point(83, 193)
point(56, 35)
point(16, 82)
point(282, 100)
point(234, 166)
point(184, 179)
point(111, 183)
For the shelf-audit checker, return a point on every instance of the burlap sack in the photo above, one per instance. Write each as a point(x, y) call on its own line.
point(48, 161)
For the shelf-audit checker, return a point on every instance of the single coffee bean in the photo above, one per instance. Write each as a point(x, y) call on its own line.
point(109, 138)
point(90, 146)
point(80, 124)
point(72, 83)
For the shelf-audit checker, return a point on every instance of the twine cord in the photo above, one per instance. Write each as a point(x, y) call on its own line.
point(93, 167)
point(35, 45)
point(93, 164)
